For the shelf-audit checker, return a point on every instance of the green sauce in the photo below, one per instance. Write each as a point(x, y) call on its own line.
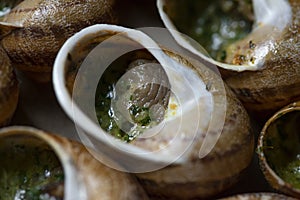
point(282, 148)
point(29, 172)
point(214, 24)
point(105, 94)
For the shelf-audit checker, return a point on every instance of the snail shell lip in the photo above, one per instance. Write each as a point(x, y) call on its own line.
point(270, 174)
point(272, 17)
point(85, 178)
point(92, 126)
point(259, 196)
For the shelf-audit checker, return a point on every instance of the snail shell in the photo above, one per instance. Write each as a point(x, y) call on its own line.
point(84, 176)
point(191, 176)
point(33, 31)
point(278, 150)
point(207, 176)
point(271, 79)
point(9, 90)
point(259, 196)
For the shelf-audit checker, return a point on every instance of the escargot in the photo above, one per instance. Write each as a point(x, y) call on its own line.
point(9, 90)
point(33, 31)
point(254, 43)
point(183, 150)
point(40, 165)
point(279, 152)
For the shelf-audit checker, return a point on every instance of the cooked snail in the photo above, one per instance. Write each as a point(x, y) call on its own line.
point(33, 31)
point(38, 165)
point(254, 43)
point(187, 80)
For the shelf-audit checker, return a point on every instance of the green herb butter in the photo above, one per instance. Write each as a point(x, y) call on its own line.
point(30, 172)
point(214, 24)
point(282, 147)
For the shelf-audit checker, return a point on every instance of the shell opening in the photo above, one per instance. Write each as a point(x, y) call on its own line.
point(281, 147)
point(29, 169)
point(186, 105)
point(237, 35)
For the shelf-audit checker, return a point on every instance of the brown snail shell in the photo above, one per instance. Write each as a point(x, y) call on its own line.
point(9, 89)
point(266, 87)
point(277, 148)
point(259, 196)
point(209, 175)
point(193, 177)
point(33, 31)
point(84, 176)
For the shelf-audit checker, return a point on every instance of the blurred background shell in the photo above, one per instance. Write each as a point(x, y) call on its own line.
point(259, 196)
point(279, 152)
point(271, 79)
point(32, 32)
point(84, 176)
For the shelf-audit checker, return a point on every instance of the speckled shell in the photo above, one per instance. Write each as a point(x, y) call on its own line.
point(85, 177)
point(274, 180)
point(9, 89)
point(260, 196)
point(278, 82)
point(33, 32)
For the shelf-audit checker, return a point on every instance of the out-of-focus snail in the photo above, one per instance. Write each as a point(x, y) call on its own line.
point(255, 44)
point(32, 32)
point(39, 165)
point(259, 196)
point(279, 150)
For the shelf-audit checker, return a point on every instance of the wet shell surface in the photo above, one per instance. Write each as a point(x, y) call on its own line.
point(278, 150)
point(9, 89)
point(260, 196)
point(32, 32)
point(84, 177)
point(261, 66)
point(191, 176)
